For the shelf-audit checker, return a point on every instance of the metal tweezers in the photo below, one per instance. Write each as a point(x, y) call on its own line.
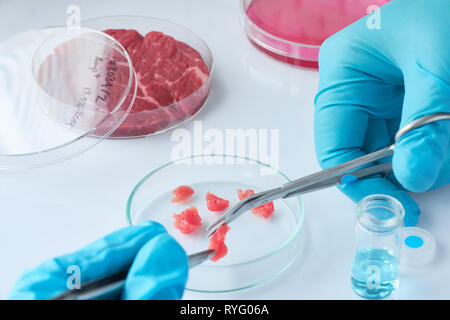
point(111, 287)
point(338, 175)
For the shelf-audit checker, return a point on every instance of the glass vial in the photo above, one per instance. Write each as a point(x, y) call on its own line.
point(376, 258)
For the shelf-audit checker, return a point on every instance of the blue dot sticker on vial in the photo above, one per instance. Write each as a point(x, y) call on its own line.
point(414, 242)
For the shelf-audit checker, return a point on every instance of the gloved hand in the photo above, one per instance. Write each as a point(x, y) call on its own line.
point(159, 266)
point(373, 81)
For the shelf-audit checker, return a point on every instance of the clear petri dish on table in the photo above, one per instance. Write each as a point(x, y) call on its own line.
point(292, 31)
point(258, 249)
point(160, 108)
point(60, 87)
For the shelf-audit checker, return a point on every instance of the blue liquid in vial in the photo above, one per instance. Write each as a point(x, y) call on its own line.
point(374, 273)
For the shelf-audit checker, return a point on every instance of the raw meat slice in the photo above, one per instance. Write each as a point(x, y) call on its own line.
point(244, 194)
point(217, 242)
point(264, 210)
point(182, 193)
point(167, 71)
point(216, 204)
point(188, 221)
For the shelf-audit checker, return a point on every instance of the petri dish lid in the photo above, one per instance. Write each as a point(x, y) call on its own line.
point(418, 247)
point(62, 90)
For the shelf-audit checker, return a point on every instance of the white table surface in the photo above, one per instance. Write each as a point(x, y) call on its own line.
point(54, 210)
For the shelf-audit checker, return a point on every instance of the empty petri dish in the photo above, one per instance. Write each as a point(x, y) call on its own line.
point(293, 30)
point(58, 88)
point(173, 67)
point(258, 249)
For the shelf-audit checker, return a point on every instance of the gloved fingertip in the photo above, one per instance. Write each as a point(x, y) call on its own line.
point(419, 156)
point(414, 174)
point(391, 177)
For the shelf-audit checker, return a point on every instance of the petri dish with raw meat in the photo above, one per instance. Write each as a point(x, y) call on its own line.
point(173, 69)
point(258, 248)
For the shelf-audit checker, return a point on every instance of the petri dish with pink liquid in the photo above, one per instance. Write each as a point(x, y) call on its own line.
point(293, 30)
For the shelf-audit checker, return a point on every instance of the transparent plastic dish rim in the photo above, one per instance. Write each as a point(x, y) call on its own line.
point(269, 35)
point(88, 133)
point(286, 243)
point(124, 53)
point(204, 85)
point(125, 114)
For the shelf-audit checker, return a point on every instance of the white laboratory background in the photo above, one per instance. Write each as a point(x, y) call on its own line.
point(58, 209)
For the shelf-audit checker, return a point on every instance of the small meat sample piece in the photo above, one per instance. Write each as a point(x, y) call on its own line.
point(264, 210)
point(216, 204)
point(167, 72)
point(244, 194)
point(182, 194)
point(188, 221)
point(217, 242)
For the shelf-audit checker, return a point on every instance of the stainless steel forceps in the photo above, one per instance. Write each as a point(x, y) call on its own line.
point(340, 174)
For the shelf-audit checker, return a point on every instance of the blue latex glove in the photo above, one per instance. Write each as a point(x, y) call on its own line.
point(159, 266)
point(373, 81)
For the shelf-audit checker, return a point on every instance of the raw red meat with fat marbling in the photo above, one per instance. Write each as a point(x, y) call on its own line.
point(167, 71)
